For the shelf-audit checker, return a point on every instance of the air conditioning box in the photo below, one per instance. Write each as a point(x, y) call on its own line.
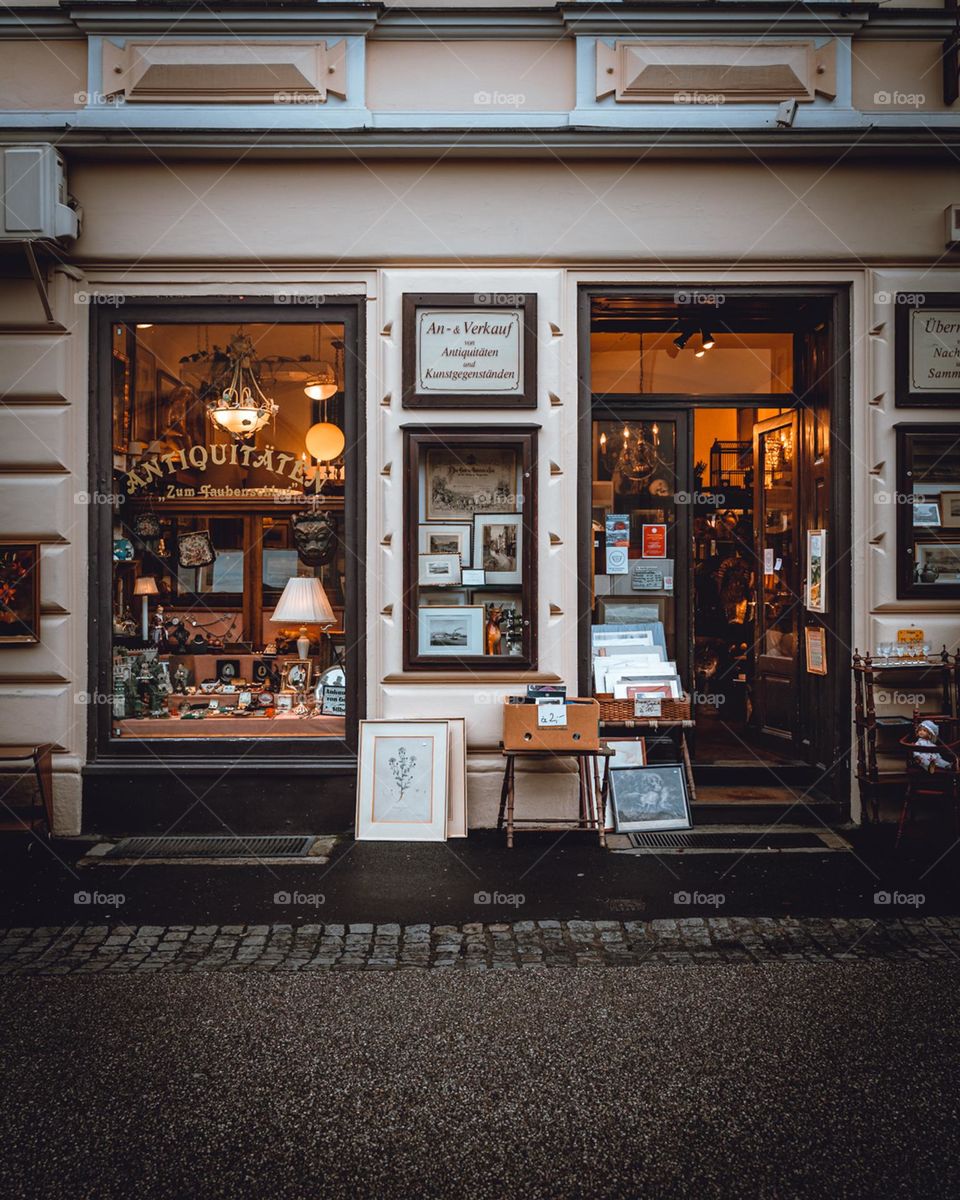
point(34, 189)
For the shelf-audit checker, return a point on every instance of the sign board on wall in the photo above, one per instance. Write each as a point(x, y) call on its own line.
point(470, 350)
point(927, 349)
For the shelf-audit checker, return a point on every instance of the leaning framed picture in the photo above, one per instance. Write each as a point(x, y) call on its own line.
point(649, 798)
point(19, 593)
point(457, 778)
point(498, 547)
point(469, 350)
point(402, 781)
point(451, 630)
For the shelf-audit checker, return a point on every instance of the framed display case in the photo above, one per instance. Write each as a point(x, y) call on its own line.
point(927, 349)
point(476, 488)
point(928, 511)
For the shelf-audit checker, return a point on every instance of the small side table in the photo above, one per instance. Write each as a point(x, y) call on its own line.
point(594, 783)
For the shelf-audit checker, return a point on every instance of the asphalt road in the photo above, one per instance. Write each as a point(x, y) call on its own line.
point(787, 1080)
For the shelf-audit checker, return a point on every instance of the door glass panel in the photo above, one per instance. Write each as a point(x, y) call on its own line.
point(777, 541)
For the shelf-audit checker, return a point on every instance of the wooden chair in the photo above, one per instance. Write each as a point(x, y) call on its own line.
point(938, 784)
point(40, 812)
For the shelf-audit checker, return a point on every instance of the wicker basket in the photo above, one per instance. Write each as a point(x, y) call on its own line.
point(623, 710)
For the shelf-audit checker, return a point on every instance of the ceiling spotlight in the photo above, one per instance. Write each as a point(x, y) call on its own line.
point(709, 341)
point(682, 340)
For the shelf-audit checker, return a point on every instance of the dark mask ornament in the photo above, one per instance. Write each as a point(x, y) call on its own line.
point(315, 535)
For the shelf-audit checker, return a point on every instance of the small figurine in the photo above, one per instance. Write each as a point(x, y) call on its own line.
point(925, 754)
point(181, 677)
point(494, 616)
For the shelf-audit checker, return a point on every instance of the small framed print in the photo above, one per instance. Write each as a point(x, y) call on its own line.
point(451, 631)
point(816, 570)
point(402, 790)
point(285, 702)
point(444, 597)
point(473, 577)
point(228, 670)
point(949, 510)
point(498, 548)
point(260, 672)
point(815, 643)
point(244, 699)
point(926, 513)
point(296, 676)
point(446, 539)
point(469, 350)
point(438, 569)
point(19, 593)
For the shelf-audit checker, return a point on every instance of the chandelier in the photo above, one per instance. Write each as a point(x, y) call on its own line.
point(241, 407)
point(637, 459)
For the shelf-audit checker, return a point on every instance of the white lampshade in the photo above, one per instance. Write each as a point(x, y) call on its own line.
point(324, 384)
point(325, 441)
point(303, 602)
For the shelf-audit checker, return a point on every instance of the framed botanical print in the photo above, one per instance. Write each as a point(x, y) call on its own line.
point(19, 593)
point(402, 781)
point(470, 350)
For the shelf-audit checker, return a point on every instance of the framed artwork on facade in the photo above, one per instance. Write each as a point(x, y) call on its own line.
point(439, 569)
point(816, 570)
point(927, 349)
point(452, 630)
point(469, 350)
point(649, 798)
point(446, 539)
point(498, 547)
point(19, 593)
point(458, 483)
point(402, 788)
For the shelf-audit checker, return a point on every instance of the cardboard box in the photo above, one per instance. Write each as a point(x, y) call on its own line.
point(522, 730)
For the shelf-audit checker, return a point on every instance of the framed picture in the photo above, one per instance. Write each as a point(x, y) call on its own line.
point(260, 671)
point(816, 570)
point(444, 597)
point(815, 643)
point(451, 630)
point(228, 670)
point(296, 676)
point(949, 510)
point(446, 539)
point(144, 395)
point(473, 577)
point(469, 350)
point(627, 752)
point(19, 593)
point(457, 778)
point(402, 781)
point(439, 569)
point(649, 798)
point(458, 483)
point(195, 549)
point(498, 547)
point(927, 513)
point(285, 702)
point(927, 350)
point(941, 557)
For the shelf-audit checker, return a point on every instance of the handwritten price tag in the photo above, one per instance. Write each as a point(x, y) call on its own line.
point(552, 716)
point(644, 707)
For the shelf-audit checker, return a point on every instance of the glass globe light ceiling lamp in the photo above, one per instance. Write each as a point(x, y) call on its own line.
point(242, 408)
point(324, 440)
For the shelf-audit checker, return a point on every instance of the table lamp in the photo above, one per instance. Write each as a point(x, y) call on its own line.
point(145, 587)
point(303, 602)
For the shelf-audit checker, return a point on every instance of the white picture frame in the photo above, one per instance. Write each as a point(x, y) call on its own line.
point(451, 537)
point(450, 631)
point(457, 778)
point(402, 781)
point(926, 514)
point(816, 589)
point(438, 570)
point(498, 546)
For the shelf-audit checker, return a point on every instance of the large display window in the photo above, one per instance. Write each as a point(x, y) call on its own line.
point(229, 547)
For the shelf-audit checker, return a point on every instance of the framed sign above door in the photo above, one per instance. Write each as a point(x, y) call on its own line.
point(469, 350)
point(927, 349)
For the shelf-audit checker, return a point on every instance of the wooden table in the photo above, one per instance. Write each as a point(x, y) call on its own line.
point(593, 787)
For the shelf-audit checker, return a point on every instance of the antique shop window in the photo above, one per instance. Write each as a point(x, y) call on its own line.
point(470, 588)
point(928, 511)
point(228, 535)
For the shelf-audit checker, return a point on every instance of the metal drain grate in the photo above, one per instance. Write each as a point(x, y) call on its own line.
point(211, 847)
point(691, 840)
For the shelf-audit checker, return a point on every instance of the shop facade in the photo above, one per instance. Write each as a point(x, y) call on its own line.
point(498, 286)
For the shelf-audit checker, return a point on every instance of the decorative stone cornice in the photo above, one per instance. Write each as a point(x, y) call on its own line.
point(725, 18)
point(182, 19)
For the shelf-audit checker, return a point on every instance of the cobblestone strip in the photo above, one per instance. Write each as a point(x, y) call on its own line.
point(522, 945)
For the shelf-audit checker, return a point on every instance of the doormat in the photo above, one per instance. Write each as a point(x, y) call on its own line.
point(305, 849)
point(748, 841)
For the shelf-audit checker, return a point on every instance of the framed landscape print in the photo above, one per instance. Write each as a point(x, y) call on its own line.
point(497, 545)
point(446, 539)
point(452, 630)
point(402, 781)
point(439, 569)
point(458, 484)
point(19, 593)
point(649, 798)
point(469, 350)
point(939, 559)
point(949, 510)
